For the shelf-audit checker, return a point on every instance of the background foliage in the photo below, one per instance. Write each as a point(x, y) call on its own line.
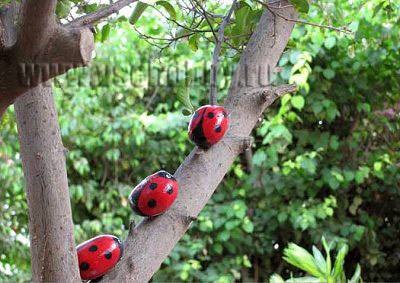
point(326, 161)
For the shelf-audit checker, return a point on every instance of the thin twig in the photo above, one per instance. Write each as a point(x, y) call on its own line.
point(207, 19)
point(195, 29)
point(217, 51)
point(271, 9)
point(95, 17)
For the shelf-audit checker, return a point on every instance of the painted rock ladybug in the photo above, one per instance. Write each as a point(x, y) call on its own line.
point(99, 255)
point(154, 195)
point(208, 125)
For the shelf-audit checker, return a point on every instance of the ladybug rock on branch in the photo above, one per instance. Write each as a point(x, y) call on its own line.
point(208, 125)
point(99, 255)
point(154, 195)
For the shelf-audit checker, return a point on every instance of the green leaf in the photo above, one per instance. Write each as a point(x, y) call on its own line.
point(90, 8)
point(276, 278)
point(302, 259)
point(302, 6)
point(337, 272)
point(282, 216)
point(330, 42)
point(184, 98)
point(186, 112)
point(193, 42)
point(348, 175)
point(298, 102)
point(137, 12)
point(169, 8)
point(248, 226)
point(319, 259)
point(241, 19)
point(304, 279)
point(329, 74)
point(63, 8)
point(378, 8)
point(357, 275)
point(105, 32)
point(327, 248)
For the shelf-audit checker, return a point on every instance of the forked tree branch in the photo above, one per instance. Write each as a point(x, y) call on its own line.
point(91, 19)
point(149, 243)
point(65, 49)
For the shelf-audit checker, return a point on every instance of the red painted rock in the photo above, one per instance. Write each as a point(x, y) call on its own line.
point(208, 125)
point(154, 195)
point(99, 255)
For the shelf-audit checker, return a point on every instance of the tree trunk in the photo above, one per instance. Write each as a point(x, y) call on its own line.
point(53, 254)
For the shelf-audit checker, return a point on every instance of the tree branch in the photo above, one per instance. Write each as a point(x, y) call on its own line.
point(38, 23)
point(199, 175)
point(272, 10)
point(204, 12)
point(215, 59)
point(8, 15)
point(91, 19)
point(2, 32)
point(65, 49)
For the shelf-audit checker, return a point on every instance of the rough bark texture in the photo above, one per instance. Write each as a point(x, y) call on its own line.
point(50, 223)
point(43, 50)
point(151, 241)
point(38, 23)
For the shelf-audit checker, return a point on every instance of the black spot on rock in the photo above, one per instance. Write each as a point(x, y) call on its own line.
point(152, 203)
point(93, 248)
point(210, 115)
point(108, 255)
point(218, 129)
point(153, 186)
point(98, 279)
point(84, 266)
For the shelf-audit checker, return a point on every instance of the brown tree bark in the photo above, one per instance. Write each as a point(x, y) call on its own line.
point(41, 50)
point(53, 255)
point(34, 48)
point(148, 244)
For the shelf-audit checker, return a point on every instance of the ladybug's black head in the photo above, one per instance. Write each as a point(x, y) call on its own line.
point(120, 245)
point(165, 174)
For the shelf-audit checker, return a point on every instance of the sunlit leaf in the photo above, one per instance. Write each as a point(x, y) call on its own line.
point(137, 12)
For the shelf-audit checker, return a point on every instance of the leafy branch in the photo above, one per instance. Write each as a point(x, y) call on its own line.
point(272, 9)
